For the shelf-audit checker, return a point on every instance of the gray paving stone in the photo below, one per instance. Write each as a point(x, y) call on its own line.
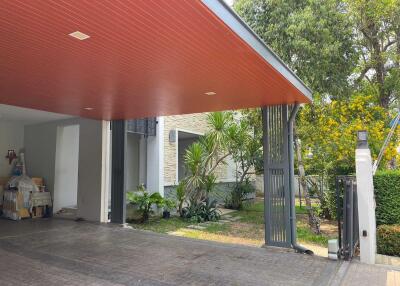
point(61, 252)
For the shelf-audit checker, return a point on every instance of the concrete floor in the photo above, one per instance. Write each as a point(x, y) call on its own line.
point(63, 252)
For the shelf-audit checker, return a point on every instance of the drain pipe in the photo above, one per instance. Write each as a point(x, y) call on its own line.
point(293, 230)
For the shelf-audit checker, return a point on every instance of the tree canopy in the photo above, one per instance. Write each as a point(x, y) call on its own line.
point(343, 50)
point(314, 37)
point(377, 39)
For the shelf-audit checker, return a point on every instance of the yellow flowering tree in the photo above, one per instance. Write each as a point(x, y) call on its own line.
point(328, 133)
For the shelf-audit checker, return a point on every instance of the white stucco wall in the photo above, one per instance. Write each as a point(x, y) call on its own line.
point(40, 152)
point(11, 138)
point(66, 168)
point(366, 206)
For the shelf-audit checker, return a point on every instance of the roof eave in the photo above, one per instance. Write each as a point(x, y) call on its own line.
point(237, 25)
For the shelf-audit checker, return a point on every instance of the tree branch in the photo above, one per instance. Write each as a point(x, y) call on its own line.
point(217, 162)
point(385, 47)
point(363, 73)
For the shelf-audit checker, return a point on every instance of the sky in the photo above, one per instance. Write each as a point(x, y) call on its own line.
point(230, 2)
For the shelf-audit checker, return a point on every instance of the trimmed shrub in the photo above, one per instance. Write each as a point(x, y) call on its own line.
point(388, 240)
point(387, 196)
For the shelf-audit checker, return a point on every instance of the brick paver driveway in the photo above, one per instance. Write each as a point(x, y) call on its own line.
point(59, 252)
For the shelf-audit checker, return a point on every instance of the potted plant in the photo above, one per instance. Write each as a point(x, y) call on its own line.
point(144, 201)
point(168, 206)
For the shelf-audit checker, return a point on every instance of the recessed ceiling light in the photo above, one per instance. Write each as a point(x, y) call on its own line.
point(88, 108)
point(79, 35)
point(210, 93)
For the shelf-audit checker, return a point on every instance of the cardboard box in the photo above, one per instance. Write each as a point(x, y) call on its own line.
point(23, 213)
point(38, 181)
point(37, 212)
point(4, 181)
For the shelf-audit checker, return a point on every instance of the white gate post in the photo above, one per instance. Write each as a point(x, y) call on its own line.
point(366, 201)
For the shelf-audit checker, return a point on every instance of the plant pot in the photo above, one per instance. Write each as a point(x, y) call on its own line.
point(166, 214)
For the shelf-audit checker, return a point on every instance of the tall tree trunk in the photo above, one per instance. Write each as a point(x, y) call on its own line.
point(313, 220)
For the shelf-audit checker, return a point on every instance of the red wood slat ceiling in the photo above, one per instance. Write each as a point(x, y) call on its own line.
point(143, 58)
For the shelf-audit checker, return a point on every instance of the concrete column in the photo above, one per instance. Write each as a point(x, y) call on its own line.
point(366, 203)
point(155, 159)
point(105, 180)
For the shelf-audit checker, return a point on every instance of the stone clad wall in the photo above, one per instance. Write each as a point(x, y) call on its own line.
point(196, 123)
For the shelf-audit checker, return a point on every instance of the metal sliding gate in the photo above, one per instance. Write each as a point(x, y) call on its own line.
point(276, 176)
point(347, 215)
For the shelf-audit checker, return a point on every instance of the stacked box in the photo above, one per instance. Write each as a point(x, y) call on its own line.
point(14, 205)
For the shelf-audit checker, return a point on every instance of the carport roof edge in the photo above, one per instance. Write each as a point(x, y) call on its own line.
point(246, 33)
point(138, 59)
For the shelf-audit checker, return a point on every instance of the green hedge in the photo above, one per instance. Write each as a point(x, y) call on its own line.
point(387, 196)
point(388, 240)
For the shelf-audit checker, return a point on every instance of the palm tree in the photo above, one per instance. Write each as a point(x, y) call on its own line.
point(203, 157)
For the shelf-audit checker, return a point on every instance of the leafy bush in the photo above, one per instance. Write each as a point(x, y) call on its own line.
point(388, 240)
point(145, 201)
point(387, 196)
point(238, 195)
point(169, 204)
point(181, 196)
point(201, 212)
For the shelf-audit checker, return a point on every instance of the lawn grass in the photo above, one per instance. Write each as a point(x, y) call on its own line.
point(247, 229)
point(305, 234)
point(162, 225)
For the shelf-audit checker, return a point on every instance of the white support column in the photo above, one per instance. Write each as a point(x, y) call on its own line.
point(366, 201)
point(155, 159)
point(105, 170)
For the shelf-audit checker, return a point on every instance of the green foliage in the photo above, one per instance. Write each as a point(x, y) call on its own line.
point(252, 214)
point(169, 204)
point(314, 37)
point(238, 195)
point(305, 234)
point(181, 195)
point(388, 239)
point(144, 201)
point(328, 130)
point(203, 157)
point(377, 37)
point(387, 196)
point(201, 212)
point(245, 143)
point(348, 53)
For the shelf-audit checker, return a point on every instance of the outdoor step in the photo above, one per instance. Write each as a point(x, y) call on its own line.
point(198, 227)
point(224, 221)
point(226, 216)
point(235, 218)
point(219, 222)
point(207, 223)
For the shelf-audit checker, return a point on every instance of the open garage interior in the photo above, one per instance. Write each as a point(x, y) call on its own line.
point(136, 161)
point(63, 157)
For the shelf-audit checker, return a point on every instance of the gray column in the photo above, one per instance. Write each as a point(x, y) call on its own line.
point(277, 197)
point(118, 171)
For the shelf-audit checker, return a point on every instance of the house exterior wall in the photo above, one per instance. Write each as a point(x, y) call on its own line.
point(40, 155)
point(11, 138)
point(193, 123)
